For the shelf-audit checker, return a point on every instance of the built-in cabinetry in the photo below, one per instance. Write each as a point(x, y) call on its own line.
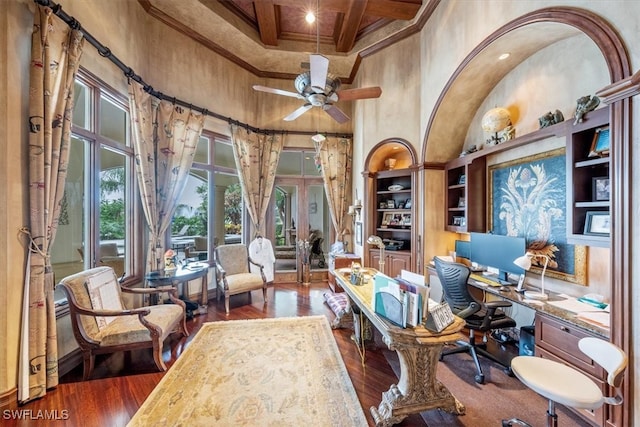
point(587, 181)
point(558, 340)
point(393, 203)
point(466, 194)
point(588, 189)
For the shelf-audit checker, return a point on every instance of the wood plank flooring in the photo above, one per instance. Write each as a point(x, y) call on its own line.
point(121, 382)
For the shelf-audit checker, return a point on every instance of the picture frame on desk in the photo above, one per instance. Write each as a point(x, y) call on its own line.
point(597, 223)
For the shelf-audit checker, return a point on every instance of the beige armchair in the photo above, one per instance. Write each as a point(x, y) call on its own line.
point(101, 323)
point(234, 276)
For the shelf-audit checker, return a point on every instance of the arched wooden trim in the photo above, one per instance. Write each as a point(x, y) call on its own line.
point(616, 57)
point(375, 148)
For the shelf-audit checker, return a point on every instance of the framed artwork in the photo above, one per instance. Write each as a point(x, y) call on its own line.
point(597, 223)
point(406, 220)
point(359, 233)
point(383, 205)
point(391, 204)
point(600, 144)
point(528, 198)
point(601, 189)
point(459, 221)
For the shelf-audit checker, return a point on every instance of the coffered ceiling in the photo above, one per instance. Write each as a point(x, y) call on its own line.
point(271, 38)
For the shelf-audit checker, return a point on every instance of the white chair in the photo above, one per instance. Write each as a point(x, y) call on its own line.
point(564, 385)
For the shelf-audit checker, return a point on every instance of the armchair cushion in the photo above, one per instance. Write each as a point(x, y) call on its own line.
point(129, 330)
point(243, 282)
point(105, 295)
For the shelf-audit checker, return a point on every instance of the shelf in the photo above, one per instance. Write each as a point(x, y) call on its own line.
point(401, 230)
point(592, 162)
point(592, 205)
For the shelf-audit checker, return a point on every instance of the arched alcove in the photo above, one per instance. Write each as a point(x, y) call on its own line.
point(474, 80)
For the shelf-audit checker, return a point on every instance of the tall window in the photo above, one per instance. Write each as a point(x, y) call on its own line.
point(210, 210)
point(99, 212)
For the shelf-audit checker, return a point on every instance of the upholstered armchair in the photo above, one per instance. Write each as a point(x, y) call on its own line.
point(102, 324)
point(234, 275)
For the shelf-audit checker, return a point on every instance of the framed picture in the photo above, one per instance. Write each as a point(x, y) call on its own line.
point(459, 221)
point(359, 233)
point(597, 223)
point(462, 180)
point(601, 189)
point(600, 144)
point(396, 220)
point(383, 205)
point(391, 204)
point(406, 220)
point(462, 202)
point(400, 205)
point(407, 204)
point(386, 219)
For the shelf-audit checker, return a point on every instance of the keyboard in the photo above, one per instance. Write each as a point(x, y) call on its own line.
point(486, 280)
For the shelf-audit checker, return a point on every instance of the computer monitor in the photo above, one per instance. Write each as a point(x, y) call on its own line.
point(498, 252)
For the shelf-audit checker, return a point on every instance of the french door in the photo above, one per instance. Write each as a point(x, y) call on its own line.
point(298, 220)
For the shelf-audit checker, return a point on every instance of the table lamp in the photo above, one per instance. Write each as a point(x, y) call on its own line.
point(524, 262)
point(377, 241)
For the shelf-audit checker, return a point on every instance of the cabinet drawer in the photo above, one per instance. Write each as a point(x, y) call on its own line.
point(561, 339)
point(597, 416)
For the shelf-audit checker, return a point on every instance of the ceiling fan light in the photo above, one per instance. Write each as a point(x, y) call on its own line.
point(318, 137)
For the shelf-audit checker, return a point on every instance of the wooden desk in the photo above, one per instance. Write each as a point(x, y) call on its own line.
point(418, 350)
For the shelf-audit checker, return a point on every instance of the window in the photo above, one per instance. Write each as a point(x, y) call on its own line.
point(99, 208)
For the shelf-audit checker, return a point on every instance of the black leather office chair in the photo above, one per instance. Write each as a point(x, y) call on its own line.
point(479, 316)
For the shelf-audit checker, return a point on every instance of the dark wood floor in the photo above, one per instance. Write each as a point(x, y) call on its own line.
point(121, 382)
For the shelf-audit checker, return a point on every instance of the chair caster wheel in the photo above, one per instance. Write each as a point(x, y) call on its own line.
point(480, 379)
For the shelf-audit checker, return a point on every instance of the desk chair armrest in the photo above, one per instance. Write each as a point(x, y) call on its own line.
point(493, 305)
point(472, 308)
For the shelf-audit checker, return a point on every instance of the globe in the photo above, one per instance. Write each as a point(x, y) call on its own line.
point(496, 120)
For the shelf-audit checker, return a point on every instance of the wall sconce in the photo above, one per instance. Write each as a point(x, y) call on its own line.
point(355, 209)
point(377, 241)
point(524, 262)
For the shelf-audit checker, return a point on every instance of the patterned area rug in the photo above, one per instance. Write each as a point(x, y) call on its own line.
point(266, 372)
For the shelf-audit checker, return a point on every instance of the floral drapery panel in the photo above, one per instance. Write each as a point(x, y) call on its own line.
point(335, 157)
point(256, 157)
point(165, 137)
point(55, 57)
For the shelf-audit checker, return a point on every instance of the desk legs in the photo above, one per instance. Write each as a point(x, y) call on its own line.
point(204, 299)
point(418, 389)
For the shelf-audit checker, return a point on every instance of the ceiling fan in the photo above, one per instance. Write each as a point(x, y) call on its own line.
point(318, 88)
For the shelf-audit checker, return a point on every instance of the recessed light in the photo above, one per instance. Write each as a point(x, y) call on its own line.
point(310, 17)
point(504, 56)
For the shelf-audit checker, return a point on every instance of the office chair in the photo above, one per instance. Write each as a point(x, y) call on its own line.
point(478, 316)
point(562, 384)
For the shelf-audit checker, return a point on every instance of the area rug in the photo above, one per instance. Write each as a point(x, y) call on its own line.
point(264, 372)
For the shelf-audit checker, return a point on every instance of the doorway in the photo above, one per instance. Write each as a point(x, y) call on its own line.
point(299, 225)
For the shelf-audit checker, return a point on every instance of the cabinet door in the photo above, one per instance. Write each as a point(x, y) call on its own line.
point(396, 262)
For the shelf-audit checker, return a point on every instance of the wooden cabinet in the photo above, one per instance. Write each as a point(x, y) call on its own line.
point(394, 212)
point(588, 189)
point(394, 261)
point(465, 196)
point(558, 340)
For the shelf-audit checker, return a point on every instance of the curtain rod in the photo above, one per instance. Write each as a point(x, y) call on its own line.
point(130, 74)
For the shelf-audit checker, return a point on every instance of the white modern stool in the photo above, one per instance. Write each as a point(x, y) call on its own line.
point(564, 385)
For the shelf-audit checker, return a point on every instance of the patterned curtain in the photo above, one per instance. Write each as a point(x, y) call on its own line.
point(335, 157)
point(55, 57)
point(256, 158)
point(165, 137)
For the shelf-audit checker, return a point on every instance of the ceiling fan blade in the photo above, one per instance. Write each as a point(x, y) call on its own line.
point(359, 93)
point(337, 114)
point(300, 111)
point(277, 91)
point(319, 68)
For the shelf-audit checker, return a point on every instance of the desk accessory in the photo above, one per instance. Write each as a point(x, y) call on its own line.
point(524, 262)
point(440, 316)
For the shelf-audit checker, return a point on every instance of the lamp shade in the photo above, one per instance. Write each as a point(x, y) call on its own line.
point(376, 241)
point(524, 262)
point(496, 120)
